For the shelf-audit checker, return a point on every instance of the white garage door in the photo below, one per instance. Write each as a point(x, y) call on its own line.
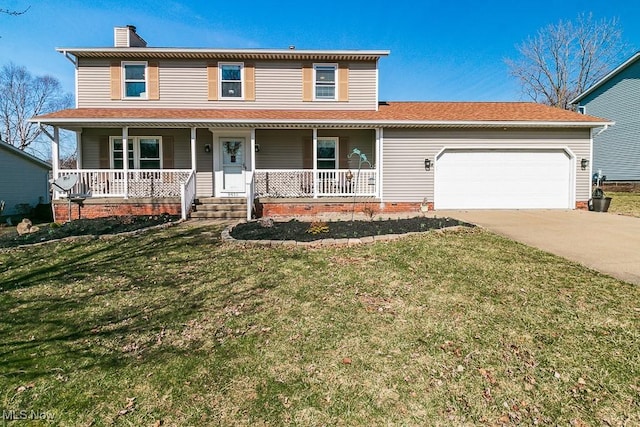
point(503, 179)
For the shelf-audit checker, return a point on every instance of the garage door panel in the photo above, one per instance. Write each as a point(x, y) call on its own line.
point(510, 179)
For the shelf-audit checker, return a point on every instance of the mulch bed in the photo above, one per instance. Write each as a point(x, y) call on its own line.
point(84, 227)
point(310, 231)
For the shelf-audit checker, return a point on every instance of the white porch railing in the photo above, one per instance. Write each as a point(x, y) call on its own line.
point(285, 183)
point(188, 194)
point(250, 182)
point(154, 183)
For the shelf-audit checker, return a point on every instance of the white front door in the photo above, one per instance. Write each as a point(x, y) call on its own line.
point(233, 165)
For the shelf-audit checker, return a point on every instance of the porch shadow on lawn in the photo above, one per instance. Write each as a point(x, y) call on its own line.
point(100, 303)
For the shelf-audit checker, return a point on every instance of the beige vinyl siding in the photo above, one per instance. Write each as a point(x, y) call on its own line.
point(281, 149)
point(284, 149)
point(204, 164)
point(404, 151)
point(181, 144)
point(184, 84)
point(348, 139)
point(121, 37)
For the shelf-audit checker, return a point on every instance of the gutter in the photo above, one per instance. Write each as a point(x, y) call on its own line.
point(327, 122)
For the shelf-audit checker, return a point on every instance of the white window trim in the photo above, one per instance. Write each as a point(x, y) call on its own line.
point(336, 159)
point(136, 149)
point(335, 93)
point(124, 80)
point(582, 109)
point(242, 80)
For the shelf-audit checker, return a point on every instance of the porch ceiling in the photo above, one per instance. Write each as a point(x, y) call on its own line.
point(396, 114)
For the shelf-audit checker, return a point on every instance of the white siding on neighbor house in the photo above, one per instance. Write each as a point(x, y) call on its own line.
point(406, 180)
point(21, 182)
point(183, 84)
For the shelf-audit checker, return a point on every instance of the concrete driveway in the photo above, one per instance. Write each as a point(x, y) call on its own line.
point(605, 242)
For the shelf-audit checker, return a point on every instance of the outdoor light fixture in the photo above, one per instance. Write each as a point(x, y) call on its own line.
point(584, 163)
point(257, 148)
point(207, 148)
point(427, 164)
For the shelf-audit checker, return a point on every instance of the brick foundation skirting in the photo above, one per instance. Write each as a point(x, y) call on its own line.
point(275, 208)
point(108, 207)
point(293, 209)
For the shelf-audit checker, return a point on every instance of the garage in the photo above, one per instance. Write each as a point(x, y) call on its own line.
point(503, 179)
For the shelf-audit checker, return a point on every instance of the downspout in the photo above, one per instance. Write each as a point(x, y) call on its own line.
point(74, 61)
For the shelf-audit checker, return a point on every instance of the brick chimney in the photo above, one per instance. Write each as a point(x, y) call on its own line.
point(127, 37)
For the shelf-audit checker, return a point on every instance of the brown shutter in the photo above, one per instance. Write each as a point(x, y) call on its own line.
point(249, 82)
point(343, 82)
point(167, 152)
point(104, 155)
point(116, 81)
point(307, 81)
point(343, 152)
point(153, 80)
point(307, 153)
point(212, 81)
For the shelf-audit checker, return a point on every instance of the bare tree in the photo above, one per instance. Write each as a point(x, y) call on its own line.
point(564, 59)
point(14, 12)
point(23, 96)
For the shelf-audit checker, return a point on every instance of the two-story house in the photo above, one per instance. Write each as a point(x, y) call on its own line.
point(290, 132)
point(616, 150)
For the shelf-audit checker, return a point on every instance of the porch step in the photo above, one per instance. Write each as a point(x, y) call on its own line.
point(221, 201)
point(219, 208)
point(217, 215)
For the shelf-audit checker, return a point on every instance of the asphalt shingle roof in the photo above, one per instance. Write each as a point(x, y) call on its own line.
point(395, 112)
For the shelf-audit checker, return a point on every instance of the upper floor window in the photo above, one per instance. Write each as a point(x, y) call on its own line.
point(231, 80)
point(582, 109)
point(135, 79)
point(325, 78)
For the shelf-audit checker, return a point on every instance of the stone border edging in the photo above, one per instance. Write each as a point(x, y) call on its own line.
point(95, 236)
point(226, 237)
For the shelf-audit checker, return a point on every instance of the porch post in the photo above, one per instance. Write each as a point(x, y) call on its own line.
point(55, 153)
point(379, 145)
point(125, 160)
point(253, 150)
point(79, 149)
point(193, 149)
point(315, 163)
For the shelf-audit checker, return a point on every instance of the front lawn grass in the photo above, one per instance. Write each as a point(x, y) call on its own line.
point(174, 327)
point(624, 203)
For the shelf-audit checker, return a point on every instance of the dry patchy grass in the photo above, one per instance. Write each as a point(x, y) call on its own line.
point(625, 203)
point(463, 328)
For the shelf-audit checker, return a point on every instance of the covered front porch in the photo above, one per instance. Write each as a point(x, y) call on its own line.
point(177, 166)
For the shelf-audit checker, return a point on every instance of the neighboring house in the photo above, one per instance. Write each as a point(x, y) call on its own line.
point(24, 180)
point(272, 131)
point(616, 150)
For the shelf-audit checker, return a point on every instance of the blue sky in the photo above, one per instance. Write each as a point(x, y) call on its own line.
point(440, 50)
